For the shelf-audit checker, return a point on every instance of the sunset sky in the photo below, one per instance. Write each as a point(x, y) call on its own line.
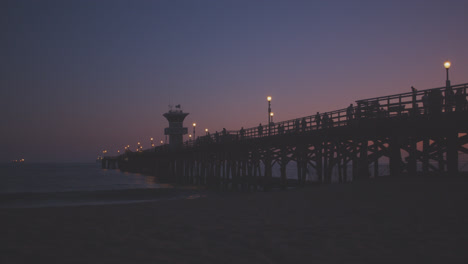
point(78, 77)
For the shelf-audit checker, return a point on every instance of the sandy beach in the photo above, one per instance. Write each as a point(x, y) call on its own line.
point(376, 221)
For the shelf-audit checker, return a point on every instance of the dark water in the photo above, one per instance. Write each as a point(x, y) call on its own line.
point(53, 184)
point(56, 177)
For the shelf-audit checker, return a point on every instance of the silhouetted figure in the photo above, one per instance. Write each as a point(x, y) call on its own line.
point(280, 129)
point(303, 124)
point(296, 125)
point(382, 113)
point(325, 120)
point(217, 137)
point(350, 112)
point(373, 109)
point(435, 102)
point(413, 90)
point(242, 133)
point(224, 132)
point(425, 102)
point(439, 99)
point(449, 99)
point(460, 101)
point(260, 130)
point(318, 120)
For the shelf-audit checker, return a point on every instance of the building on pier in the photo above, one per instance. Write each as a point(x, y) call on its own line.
point(175, 130)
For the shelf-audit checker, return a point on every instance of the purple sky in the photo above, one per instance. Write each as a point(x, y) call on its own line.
point(78, 77)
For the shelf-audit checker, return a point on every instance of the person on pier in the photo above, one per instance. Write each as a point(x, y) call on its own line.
point(260, 130)
point(449, 99)
point(318, 120)
point(425, 102)
point(242, 133)
point(460, 101)
point(325, 120)
point(435, 102)
point(414, 92)
point(350, 112)
point(280, 129)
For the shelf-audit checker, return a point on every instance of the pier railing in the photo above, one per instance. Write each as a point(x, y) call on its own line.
point(423, 102)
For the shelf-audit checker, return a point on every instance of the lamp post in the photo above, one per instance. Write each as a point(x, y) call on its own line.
point(271, 117)
point(269, 108)
point(194, 125)
point(206, 131)
point(447, 67)
point(152, 142)
point(269, 113)
point(448, 89)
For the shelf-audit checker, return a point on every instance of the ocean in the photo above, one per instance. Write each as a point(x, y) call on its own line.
point(71, 184)
point(66, 184)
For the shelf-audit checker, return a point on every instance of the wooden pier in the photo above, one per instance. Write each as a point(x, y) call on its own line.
point(416, 133)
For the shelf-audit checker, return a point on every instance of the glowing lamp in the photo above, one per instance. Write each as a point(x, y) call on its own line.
point(447, 64)
point(269, 98)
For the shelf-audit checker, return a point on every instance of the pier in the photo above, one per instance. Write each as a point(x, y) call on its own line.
point(416, 133)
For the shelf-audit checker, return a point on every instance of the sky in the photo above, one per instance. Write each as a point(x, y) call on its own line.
point(80, 77)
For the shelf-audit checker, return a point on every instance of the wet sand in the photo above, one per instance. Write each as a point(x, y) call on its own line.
point(377, 221)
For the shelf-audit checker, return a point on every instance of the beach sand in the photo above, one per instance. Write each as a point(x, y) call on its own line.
point(376, 221)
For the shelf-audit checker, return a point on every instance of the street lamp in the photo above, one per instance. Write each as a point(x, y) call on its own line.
point(269, 108)
point(271, 116)
point(206, 131)
point(194, 125)
point(269, 113)
point(162, 142)
point(447, 67)
point(152, 143)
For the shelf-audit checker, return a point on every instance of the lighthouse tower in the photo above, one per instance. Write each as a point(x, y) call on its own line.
point(175, 130)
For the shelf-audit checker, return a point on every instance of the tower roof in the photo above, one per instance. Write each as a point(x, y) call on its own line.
point(175, 116)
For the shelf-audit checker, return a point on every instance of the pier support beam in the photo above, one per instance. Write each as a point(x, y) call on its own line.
point(395, 156)
point(452, 154)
